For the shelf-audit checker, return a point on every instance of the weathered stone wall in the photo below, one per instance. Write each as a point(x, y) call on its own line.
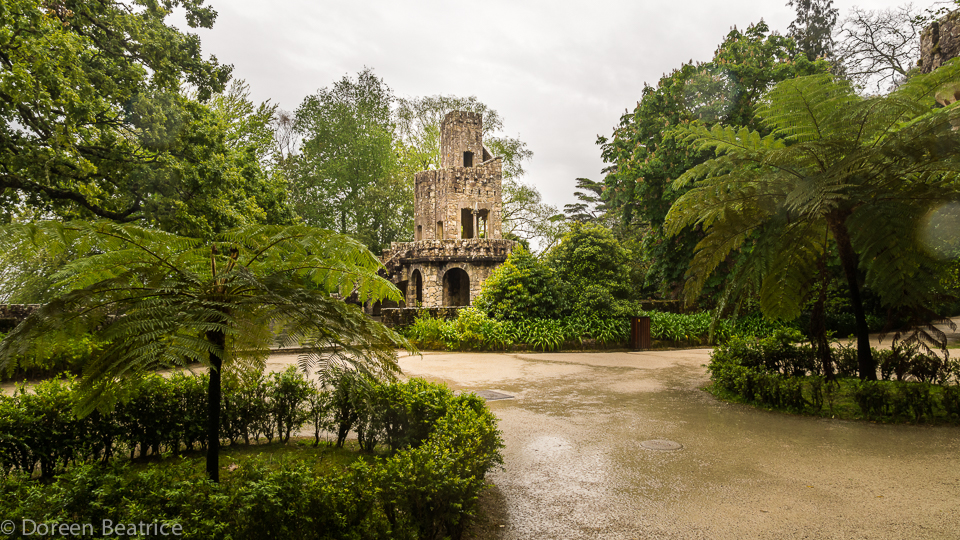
point(430, 260)
point(460, 132)
point(940, 42)
point(440, 197)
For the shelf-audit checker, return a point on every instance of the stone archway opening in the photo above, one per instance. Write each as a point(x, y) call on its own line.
point(416, 279)
point(456, 288)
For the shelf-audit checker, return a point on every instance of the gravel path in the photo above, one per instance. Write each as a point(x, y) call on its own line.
point(575, 467)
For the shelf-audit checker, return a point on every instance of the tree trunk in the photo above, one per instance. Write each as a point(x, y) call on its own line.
point(848, 258)
point(218, 340)
point(818, 324)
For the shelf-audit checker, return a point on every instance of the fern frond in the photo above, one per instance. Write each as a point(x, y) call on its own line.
point(807, 108)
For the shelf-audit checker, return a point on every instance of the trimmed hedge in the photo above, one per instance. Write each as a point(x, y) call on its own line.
point(439, 448)
point(779, 372)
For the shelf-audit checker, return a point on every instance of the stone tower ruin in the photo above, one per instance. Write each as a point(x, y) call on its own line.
point(457, 222)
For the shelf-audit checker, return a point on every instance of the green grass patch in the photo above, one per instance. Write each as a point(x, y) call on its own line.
point(323, 459)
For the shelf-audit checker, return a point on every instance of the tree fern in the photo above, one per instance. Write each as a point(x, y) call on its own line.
point(864, 169)
point(165, 301)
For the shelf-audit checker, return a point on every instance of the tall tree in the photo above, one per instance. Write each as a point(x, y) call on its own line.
point(591, 208)
point(877, 48)
point(162, 301)
point(527, 218)
point(347, 176)
point(647, 150)
point(836, 167)
point(813, 27)
point(94, 123)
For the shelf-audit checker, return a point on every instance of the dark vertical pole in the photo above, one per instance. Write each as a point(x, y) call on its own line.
point(218, 339)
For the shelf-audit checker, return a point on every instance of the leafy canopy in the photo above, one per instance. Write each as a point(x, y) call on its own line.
point(347, 176)
point(649, 149)
point(94, 119)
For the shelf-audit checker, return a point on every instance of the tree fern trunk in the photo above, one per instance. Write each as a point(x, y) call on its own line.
point(218, 339)
point(818, 323)
point(848, 258)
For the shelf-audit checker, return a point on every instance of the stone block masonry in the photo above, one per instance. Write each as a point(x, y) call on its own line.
point(940, 42)
point(457, 222)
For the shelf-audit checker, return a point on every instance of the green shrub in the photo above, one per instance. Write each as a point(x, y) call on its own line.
point(428, 332)
point(429, 488)
point(914, 398)
point(476, 331)
point(288, 392)
point(434, 488)
point(157, 415)
point(55, 354)
point(873, 398)
point(950, 400)
point(522, 287)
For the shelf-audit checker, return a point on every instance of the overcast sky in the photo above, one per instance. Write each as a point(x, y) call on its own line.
point(559, 73)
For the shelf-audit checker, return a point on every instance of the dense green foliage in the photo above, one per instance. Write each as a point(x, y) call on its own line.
point(647, 150)
point(522, 287)
point(837, 171)
point(439, 446)
point(474, 330)
point(594, 268)
point(347, 176)
point(160, 300)
point(52, 355)
point(781, 372)
point(96, 123)
point(155, 416)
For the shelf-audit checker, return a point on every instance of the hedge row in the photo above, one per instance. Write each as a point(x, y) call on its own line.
point(39, 428)
point(783, 351)
point(474, 330)
point(439, 448)
point(430, 491)
point(160, 415)
point(52, 355)
point(779, 372)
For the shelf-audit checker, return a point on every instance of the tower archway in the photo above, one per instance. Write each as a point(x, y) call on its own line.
point(456, 288)
point(416, 282)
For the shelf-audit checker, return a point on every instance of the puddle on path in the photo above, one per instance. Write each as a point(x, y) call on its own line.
point(575, 467)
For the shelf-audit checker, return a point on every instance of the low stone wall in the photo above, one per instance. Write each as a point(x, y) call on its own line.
point(397, 317)
point(666, 306)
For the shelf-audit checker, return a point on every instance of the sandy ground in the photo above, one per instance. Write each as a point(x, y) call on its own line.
point(575, 467)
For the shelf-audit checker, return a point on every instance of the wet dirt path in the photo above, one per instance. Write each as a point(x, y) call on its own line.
point(575, 467)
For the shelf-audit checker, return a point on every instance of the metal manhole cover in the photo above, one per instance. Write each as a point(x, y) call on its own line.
point(662, 445)
point(490, 395)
